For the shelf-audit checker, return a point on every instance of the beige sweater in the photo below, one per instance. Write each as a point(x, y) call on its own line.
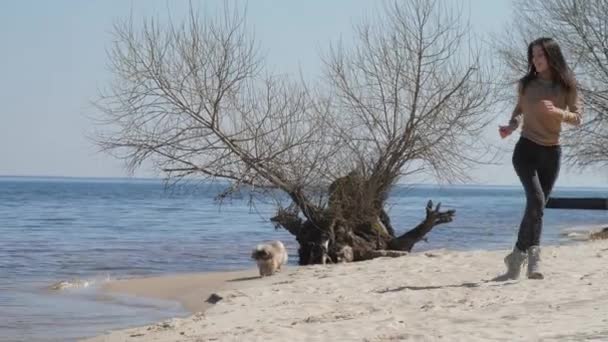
point(545, 129)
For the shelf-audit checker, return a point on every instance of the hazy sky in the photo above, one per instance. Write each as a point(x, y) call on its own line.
point(53, 61)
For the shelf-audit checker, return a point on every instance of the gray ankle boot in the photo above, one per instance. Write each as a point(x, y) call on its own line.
point(513, 261)
point(534, 263)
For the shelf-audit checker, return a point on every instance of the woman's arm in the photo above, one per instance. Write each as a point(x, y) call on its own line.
point(574, 114)
point(516, 115)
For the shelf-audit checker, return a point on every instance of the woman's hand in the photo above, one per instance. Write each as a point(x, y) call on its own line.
point(505, 131)
point(547, 107)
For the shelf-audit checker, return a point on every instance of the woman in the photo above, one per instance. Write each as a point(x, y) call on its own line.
point(547, 98)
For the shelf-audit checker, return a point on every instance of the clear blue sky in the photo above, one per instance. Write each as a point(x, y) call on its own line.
point(53, 61)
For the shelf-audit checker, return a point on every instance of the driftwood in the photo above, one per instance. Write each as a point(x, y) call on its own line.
point(321, 244)
point(601, 235)
point(354, 226)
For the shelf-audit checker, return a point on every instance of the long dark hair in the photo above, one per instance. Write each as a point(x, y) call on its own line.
point(560, 72)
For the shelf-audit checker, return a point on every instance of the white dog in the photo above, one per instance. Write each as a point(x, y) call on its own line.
point(270, 257)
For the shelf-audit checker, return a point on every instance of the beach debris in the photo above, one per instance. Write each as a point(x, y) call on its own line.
point(165, 325)
point(383, 253)
point(214, 298)
point(199, 316)
point(601, 235)
point(427, 306)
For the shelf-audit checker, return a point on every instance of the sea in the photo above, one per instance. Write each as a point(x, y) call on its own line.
point(85, 232)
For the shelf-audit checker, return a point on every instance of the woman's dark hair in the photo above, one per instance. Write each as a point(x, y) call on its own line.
point(560, 72)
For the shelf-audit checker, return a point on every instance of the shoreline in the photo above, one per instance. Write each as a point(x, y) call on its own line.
point(190, 290)
point(438, 295)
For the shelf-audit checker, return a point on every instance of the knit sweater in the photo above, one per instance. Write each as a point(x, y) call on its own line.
point(544, 129)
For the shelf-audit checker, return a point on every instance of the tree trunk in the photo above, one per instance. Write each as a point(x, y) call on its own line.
point(333, 240)
point(354, 225)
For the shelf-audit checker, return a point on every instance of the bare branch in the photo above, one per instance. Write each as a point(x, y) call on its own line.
point(411, 96)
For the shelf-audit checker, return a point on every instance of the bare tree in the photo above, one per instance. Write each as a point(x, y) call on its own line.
point(581, 29)
point(412, 96)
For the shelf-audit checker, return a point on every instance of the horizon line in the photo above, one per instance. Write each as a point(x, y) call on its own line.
point(135, 178)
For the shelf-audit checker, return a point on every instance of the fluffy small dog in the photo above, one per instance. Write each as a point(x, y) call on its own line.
point(269, 257)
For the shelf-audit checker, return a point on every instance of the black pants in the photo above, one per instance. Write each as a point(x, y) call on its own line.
point(537, 167)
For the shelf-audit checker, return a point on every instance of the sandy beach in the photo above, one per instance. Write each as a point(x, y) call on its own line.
point(433, 296)
point(187, 289)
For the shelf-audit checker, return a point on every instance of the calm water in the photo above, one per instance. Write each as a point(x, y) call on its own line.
point(93, 230)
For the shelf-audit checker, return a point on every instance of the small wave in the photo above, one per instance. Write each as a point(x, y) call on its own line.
point(70, 284)
point(578, 236)
point(75, 283)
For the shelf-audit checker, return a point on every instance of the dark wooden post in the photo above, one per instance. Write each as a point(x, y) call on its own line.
point(578, 203)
